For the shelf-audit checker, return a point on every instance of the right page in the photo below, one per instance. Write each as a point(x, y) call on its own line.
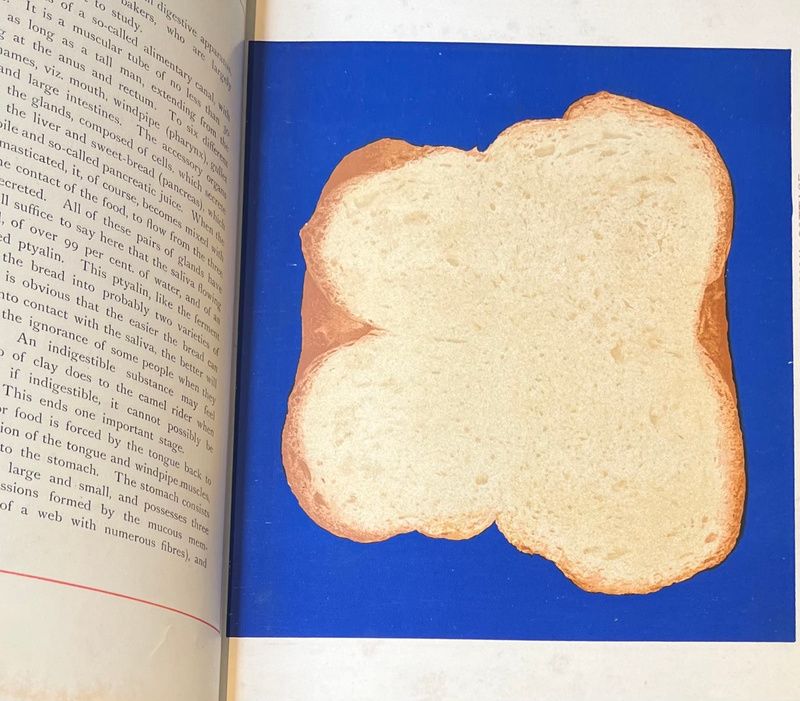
point(516, 363)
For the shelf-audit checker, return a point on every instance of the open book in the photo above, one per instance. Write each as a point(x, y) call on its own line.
point(157, 539)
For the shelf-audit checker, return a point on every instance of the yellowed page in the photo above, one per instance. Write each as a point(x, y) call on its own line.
point(119, 143)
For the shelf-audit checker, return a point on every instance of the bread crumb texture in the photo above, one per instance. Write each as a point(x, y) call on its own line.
point(533, 336)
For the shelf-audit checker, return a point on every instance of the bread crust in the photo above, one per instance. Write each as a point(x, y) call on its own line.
point(328, 325)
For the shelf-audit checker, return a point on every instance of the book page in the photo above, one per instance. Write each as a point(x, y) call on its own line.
point(333, 558)
point(119, 166)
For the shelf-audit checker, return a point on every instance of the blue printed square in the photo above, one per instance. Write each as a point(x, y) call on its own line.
point(310, 104)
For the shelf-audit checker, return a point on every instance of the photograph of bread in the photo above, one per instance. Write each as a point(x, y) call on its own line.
point(532, 336)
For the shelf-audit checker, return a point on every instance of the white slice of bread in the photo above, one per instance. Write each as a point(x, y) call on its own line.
point(533, 336)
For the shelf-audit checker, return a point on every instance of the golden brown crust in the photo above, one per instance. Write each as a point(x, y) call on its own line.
point(328, 325)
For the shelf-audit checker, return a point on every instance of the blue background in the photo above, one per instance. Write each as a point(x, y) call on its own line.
point(310, 105)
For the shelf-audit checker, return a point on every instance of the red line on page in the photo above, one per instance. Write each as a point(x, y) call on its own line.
point(74, 585)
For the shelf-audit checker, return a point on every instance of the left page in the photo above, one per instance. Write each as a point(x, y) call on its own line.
point(119, 143)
